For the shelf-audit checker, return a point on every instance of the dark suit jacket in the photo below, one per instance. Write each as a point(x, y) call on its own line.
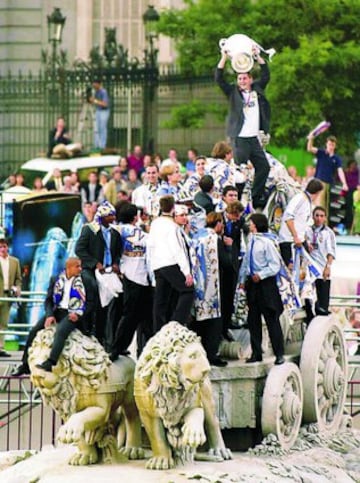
point(236, 103)
point(204, 200)
point(90, 247)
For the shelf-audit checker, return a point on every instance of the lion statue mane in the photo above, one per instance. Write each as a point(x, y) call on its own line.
point(174, 397)
point(92, 395)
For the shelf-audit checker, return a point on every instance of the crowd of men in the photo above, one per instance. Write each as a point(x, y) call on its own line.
point(182, 249)
point(184, 245)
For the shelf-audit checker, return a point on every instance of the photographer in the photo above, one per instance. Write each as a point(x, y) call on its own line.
point(102, 105)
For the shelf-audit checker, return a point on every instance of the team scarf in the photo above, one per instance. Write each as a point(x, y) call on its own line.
point(104, 209)
point(77, 293)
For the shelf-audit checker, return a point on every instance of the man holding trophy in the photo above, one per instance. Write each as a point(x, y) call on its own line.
point(249, 110)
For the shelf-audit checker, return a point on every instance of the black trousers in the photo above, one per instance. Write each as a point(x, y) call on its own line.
point(112, 314)
point(323, 296)
point(168, 279)
point(250, 149)
point(137, 310)
point(258, 306)
point(63, 329)
point(209, 331)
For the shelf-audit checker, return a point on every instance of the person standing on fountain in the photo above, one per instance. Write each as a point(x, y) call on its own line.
point(249, 112)
point(261, 264)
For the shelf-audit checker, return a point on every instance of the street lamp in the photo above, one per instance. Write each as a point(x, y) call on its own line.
point(56, 23)
point(150, 18)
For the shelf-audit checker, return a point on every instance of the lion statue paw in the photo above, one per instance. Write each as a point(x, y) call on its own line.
point(174, 397)
point(88, 392)
point(160, 463)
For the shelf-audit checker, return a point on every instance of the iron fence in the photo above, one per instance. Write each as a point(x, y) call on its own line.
point(141, 102)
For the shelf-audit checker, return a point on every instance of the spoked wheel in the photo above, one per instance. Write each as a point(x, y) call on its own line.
point(282, 402)
point(323, 367)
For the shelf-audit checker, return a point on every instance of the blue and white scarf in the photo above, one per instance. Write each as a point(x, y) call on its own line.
point(77, 293)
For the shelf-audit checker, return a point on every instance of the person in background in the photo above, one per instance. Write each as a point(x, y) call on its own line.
point(261, 264)
point(38, 186)
point(145, 195)
point(114, 185)
point(133, 181)
point(104, 177)
point(321, 243)
point(355, 229)
point(171, 177)
point(328, 164)
point(10, 286)
point(136, 159)
point(60, 143)
point(190, 163)
point(101, 102)
point(75, 181)
point(352, 180)
point(92, 191)
point(56, 183)
point(123, 165)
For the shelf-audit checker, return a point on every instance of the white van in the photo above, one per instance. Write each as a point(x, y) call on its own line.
point(44, 167)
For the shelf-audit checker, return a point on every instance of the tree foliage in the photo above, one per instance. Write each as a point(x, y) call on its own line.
point(314, 74)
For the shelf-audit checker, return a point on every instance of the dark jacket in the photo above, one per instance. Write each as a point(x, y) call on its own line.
point(85, 189)
point(90, 247)
point(235, 118)
point(90, 303)
point(205, 201)
point(62, 139)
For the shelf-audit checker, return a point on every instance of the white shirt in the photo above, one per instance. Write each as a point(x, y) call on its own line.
point(265, 258)
point(145, 197)
point(4, 262)
point(298, 209)
point(323, 240)
point(251, 111)
point(134, 260)
point(64, 303)
point(166, 246)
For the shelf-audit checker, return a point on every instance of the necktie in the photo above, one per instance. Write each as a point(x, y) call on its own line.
point(251, 257)
point(228, 227)
point(107, 254)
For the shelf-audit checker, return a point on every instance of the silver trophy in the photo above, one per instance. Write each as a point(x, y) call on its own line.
point(242, 51)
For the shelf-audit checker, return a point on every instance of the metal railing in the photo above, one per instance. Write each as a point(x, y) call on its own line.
point(25, 422)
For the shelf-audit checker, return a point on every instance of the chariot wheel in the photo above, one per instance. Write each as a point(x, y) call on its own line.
point(323, 367)
point(282, 402)
point(275, 210)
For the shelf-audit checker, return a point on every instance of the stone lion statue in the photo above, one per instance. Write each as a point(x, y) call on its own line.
point(91, 395)
point(174, 397)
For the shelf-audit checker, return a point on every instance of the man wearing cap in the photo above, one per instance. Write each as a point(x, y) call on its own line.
point(99, 247)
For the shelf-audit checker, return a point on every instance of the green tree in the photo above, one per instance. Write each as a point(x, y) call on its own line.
point(315, 72)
